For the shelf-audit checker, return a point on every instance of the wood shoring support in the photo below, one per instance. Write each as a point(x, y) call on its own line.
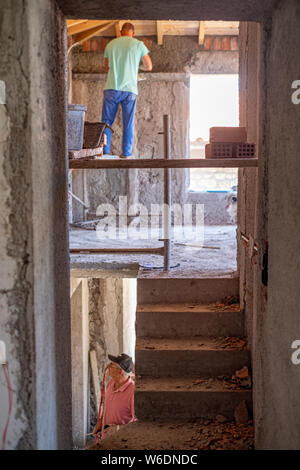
point(201, 32)
point(122, 251)
point(118, 163)
point(167, 195)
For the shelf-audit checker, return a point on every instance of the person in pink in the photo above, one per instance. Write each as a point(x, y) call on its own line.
point(119, 395)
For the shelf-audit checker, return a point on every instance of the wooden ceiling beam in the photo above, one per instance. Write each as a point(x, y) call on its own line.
point(85, 26)
point(85, 35)
point(118, 29)
point(74, 22)
point(201, 32)
point(160, 33)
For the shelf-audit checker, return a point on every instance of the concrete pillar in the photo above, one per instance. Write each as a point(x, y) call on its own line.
point(34, 301)
point(80, 359)
point(129, 311)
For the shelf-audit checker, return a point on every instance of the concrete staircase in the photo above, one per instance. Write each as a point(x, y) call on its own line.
point(183, 350)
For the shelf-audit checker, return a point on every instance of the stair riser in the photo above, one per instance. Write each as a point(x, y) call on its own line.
point(184, 406)
point(190, 363)
point(177, 324)
point(154, 291)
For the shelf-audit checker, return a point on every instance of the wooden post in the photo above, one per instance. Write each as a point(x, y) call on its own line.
point(167, 195)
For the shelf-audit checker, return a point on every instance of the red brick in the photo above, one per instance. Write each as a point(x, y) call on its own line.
point(86, 46)
point(94, 45)
point(234, 43)
point(217, 44)
point(225, 43)
point(148, 43)
point(227, 134)
point(207, 43)
point(103, 44)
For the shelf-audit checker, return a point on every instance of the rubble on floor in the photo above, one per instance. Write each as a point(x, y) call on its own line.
point(203, 434)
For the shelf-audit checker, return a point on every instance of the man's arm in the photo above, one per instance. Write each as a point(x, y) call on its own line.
point(146, 63)
point(106, 65)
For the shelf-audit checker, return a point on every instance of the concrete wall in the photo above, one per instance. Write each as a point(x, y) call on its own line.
point(34, 318)
point(178, 54)
point(277, 380)
point(80, 359)
point(247, 198)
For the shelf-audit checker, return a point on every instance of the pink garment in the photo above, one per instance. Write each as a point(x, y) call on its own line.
point(119, 404)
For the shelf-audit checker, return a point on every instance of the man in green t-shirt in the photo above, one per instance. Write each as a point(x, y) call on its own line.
point(122, 61)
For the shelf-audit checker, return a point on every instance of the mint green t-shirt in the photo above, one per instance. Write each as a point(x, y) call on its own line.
point(124, 55)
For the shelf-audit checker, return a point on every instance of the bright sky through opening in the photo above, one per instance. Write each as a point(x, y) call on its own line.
point(214, 101)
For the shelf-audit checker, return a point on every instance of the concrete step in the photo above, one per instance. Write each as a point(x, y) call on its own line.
point(164, 290)
point(184, 320)
point(162, 398)
point(197, 356)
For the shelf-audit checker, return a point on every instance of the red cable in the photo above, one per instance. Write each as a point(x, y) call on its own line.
point(101, 410)
point(10, 403)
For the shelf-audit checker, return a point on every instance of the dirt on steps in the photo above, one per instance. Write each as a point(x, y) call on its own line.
point(204, 434)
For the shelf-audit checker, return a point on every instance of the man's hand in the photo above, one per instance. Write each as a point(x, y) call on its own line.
point(146, 63)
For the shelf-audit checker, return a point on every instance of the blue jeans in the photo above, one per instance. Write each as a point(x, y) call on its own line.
point(111, 101)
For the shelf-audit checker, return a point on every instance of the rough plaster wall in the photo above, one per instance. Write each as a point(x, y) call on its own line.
point(277, 380)
point(177, 54)
point(157, 96)
point(33, 197)
point(106, 322)
point(247, 199)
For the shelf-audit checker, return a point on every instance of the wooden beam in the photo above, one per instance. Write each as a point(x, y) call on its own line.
point(122, 251)
point(161, 163)
point(74, 22)
point(160, 35)
point(84, 26)
point(85, 35)
point(118, 29)
point(201, 32)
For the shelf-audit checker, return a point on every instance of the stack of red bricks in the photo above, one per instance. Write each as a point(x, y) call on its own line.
point(229, 142)
point(211, 43)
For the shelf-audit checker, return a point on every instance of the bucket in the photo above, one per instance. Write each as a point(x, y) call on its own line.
point(76, 113)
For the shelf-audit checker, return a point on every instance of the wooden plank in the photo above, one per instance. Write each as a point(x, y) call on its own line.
point(95, 376)
point(84, 153)
point(75, 22)
point(84, 26)
point(201, 32)
point(118, 29)
point(161, 163)
point(179, 28)
point(121, 251)
point(159, 29)
point(85, 35)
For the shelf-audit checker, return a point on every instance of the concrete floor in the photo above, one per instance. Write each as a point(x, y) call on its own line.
point(217, 258)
